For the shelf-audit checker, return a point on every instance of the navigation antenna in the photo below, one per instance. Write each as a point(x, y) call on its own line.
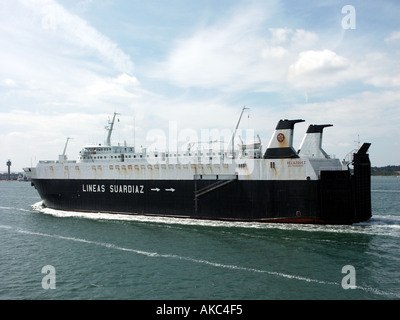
point(234, 132)
point(110, 129)
point(358, 141)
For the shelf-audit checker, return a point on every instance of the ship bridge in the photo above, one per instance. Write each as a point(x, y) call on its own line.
point(100, 152)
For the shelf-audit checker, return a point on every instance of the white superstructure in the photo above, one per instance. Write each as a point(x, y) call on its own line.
point(125, 163)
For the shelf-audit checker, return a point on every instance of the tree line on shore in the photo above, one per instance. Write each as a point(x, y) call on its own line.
point(385, 171)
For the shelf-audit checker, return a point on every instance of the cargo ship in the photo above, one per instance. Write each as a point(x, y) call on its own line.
point(279, 184)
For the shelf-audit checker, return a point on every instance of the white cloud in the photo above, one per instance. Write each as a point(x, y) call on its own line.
point(371, 115)
point(31, 136)
point(394, 36)
point(54, 60)
point(238, 54)
point(298, 37)
point(280, 35)
point(123, 86)
point(229, 55)
point(380, 70)
point(274, 52)
point(73, 29)
point(9, 82)
point(314, 69)
point(304, 38)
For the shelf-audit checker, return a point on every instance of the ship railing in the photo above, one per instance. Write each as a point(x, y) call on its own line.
point(348, 158)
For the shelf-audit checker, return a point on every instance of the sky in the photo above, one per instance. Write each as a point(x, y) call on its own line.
point(186, 68)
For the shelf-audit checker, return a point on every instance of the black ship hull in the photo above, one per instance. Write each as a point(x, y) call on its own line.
point(337, 198)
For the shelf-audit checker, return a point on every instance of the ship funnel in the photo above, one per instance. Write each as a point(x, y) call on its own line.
point(281, 143)
point(311, 146)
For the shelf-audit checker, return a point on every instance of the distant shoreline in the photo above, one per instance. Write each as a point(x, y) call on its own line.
point(385, 171)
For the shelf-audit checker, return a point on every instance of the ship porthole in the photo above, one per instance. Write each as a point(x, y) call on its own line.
point(298, 214)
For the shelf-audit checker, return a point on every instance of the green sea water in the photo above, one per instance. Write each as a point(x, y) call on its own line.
point(49, 254)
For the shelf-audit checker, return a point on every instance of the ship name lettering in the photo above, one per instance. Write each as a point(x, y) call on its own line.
point(296, 163)
point(93, 188)
point(124, 188)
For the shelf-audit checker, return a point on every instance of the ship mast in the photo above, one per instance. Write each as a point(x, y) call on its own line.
point(65, 148)
point(234, 132)
point(110, 129)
